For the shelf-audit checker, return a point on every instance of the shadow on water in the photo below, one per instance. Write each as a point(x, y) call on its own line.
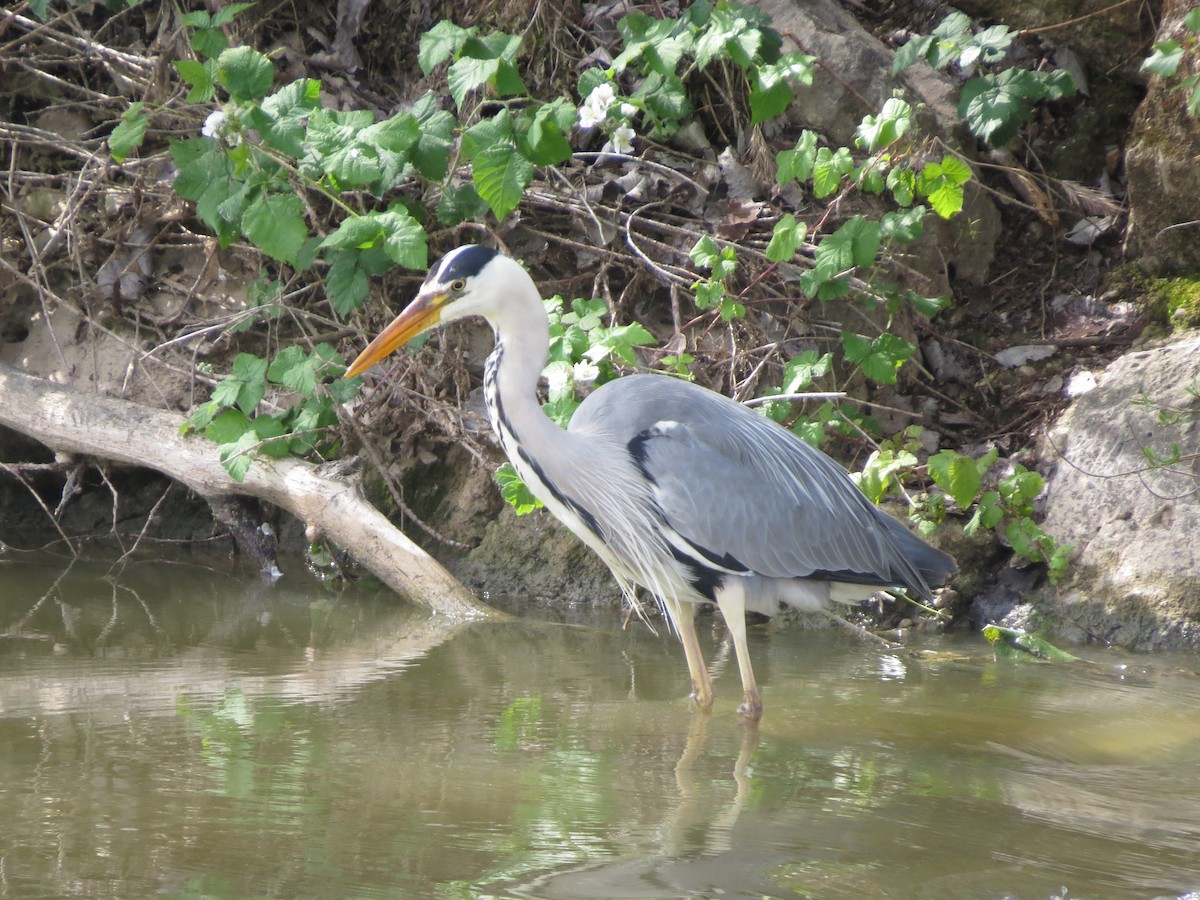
point(187, 732)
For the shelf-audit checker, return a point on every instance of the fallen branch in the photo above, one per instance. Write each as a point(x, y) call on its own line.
point(71, 421)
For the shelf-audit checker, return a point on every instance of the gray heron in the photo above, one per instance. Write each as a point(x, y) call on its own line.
point(680, 490)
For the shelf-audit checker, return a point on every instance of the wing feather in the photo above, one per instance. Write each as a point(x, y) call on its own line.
point(740, 488)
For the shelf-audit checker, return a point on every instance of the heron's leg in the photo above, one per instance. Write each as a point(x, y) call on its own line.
point(731, 598)
point(684, 616)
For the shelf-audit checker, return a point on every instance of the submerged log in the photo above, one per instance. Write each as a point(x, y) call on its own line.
point(71, 421)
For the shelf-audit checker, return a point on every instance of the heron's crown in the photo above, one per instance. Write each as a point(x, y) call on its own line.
point(463, 262)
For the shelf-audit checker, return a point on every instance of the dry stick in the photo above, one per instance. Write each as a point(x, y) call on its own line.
point(1078, 19)
point(45, 508)
point(133, 434)
point(119, 565)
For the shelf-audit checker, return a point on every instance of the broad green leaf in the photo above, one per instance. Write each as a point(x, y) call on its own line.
point(958, 475)
point(544, 139)
point(267, 427)
point(879, 359)
point(829, 170)
point(501, 176)
point(346, 284)
point(275, 224)
point(912, 53)
point(235, 457)
point(800, 371)
point(129, 133)
point(200, 76)
point(227, 427)
point(786, 238)
point(440, 43)
point(431, 155)
point(404, 240)
point(514, 491)
point(903, 225)
point(282, 118)
point(397, 133)
point(245, 73)
point(209, 42)
point(893, 122)
point(495, 131)
point(797, 164)
point(768, 102)
point(460, 204)
point(856, 243)
point(1165, 59)
point(228, 13)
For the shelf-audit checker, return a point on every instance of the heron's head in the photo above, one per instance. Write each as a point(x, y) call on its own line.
point(468, 281)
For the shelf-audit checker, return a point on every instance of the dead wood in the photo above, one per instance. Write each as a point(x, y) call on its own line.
point(71, 421)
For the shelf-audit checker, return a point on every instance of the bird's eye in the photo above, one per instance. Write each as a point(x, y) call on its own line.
point(458, 285)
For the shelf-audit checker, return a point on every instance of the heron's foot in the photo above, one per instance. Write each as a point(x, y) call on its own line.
point(751, 708)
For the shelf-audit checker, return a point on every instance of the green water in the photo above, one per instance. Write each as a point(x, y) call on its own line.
point(183, 731)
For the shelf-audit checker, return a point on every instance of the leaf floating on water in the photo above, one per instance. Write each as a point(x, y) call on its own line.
point(1012, 643)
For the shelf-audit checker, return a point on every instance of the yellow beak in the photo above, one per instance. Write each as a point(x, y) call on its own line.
point(419, 316)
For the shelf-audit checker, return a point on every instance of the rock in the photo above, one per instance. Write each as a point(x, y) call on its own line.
point(1135, 527)
point(1160, 165)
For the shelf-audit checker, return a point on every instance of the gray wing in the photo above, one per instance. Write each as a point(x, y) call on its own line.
point(746, 494)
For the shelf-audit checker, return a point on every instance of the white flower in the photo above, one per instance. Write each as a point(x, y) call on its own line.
point(628, 110)
point(214, 124)
point(595, 107)
point(602, 96)
point(558, 377)
point(622, 139)
point(585, 372)
point(590, 117)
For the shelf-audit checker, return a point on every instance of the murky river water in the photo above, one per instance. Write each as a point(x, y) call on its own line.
point(182, 731)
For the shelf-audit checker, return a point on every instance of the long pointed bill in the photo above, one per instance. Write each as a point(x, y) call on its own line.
point(419, 316)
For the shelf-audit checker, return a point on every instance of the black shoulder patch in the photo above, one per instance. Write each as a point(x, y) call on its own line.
point(463, 262)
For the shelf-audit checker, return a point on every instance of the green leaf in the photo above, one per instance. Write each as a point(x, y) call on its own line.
point(460, 204)
point(768, 102)
point(514, 491)
point(903, 225)
point(209, 42)
point(879, 359)
point(941, 183)
point(709, 293)
point(292, 368)
point(829, 170)
point(200, 76)
point(501, 176)
point(856, 243)
point(440, 43)
point(129, 133)
point(227, 427)
point(544, 140)
point(245, 73)
point(267, 427)
point(960, 476)
point(879, 473)
point(800, 371)
point(228, 13)
point(797, 164)
point(484, 60)
point(893, 122)
point(404, 240)
point(786, 238)
point(1165, 59)
point(346, 284)
point(235, 457)
point(431, 155)
point(282, 118)
point(275, 224)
